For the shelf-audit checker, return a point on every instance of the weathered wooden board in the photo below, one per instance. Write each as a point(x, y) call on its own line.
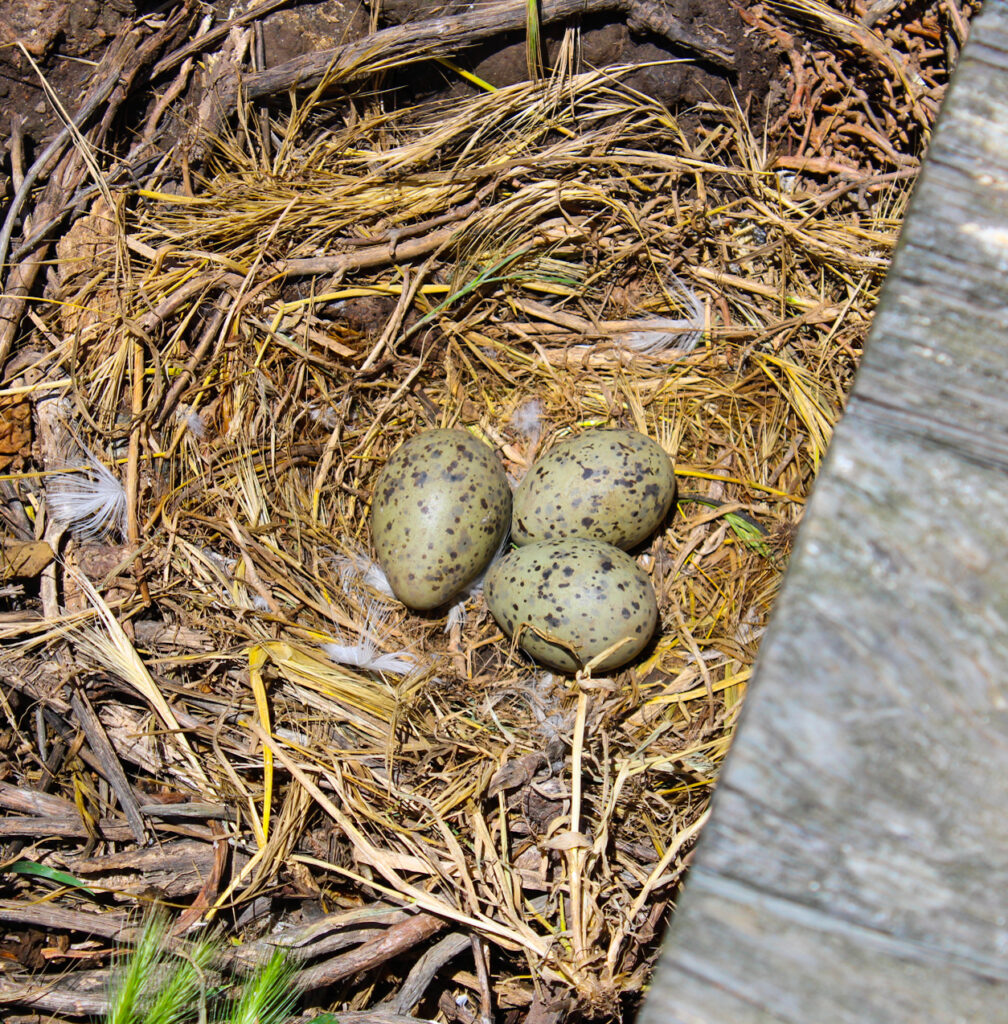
point(856, 864)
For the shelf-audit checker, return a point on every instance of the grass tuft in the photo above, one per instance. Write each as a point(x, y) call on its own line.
point(163, 980)
point(187, 988)
point(133, 980)
point(268, 996)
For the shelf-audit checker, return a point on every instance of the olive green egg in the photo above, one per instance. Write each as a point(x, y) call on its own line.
point(440, 509)
point(611, 485)
point(569, 600)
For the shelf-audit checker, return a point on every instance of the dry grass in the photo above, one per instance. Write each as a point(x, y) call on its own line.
point(247, 356)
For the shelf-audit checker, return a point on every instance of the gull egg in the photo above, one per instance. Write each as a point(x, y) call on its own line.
point(439, 512)
point(609, 485)
point(570, 600)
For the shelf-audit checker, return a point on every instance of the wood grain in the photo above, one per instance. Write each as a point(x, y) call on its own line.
point(856, 863)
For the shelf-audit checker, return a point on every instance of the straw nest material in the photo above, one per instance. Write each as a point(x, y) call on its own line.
point(229, 368)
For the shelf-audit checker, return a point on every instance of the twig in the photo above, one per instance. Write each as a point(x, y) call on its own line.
point(395, 940)
point(881, 143)
point(81, 196)
point(210, 331)
point(203, 899)
point(815, 165)
point(171, 94)
point(370, 256)
point(112, 770)
point(97, 738)
point(133, 472)
point(42, 165)
point(960, 27)
point(422, 973)
point(126, 59)
point(33, 801)
point(215, 35)
point(657, 874)
point(480, 957)
point(108, 924)
point(576, 853)
point(64, 826)
point(17, 151)
point(85, 996)
point(378, 1016)
point(823, 18)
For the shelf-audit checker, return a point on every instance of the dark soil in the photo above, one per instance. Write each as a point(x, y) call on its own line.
point(670, 75)
point(65, 38)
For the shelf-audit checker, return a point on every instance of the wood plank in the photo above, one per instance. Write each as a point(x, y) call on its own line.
point(856, 864)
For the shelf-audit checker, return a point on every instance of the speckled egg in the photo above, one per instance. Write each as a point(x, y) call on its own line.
point(611, 485)
point(577, 598)
point(440, 510)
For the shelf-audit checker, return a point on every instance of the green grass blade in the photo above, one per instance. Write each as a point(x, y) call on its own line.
point(489, 275)
point(749, 533)
point(30, 867)
point(533, 41)
point(748, 530)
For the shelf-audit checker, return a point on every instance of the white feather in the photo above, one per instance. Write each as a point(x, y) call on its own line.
point(192, 419)
point(527, 418)
point(656, 334)
point(355, 569)
point(89, 498)
point(456, 614)
point(365, 654)
point(325, 415)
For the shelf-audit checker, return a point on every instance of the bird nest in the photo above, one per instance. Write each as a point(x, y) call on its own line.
point(229, 364)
